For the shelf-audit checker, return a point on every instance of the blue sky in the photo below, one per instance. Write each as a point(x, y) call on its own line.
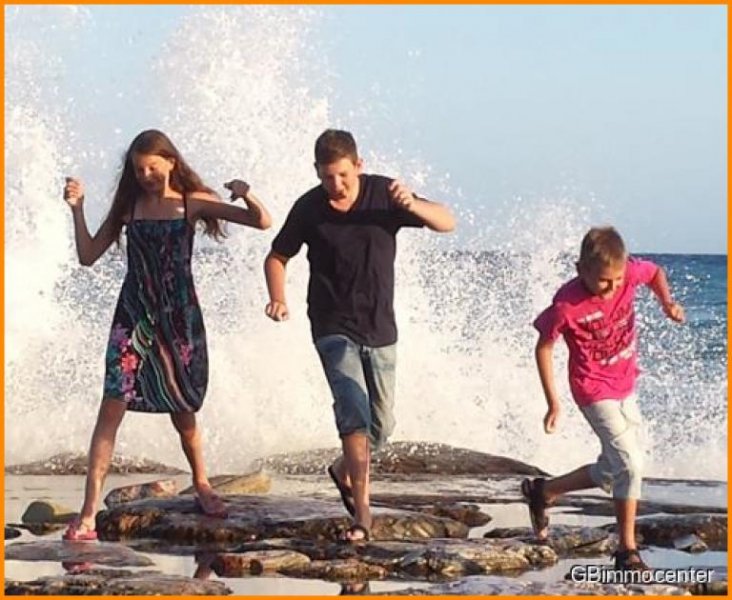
point(624, 105)
point(627, 104)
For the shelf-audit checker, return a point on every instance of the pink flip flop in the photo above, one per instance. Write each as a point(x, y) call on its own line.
point(76, 568)
point(75, 533)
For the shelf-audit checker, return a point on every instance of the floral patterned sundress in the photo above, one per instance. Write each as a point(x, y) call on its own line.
point(157, 359)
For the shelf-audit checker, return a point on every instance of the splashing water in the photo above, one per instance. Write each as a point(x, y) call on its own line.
point(244, 92)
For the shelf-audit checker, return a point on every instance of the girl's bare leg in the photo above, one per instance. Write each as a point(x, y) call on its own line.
point(110, 416)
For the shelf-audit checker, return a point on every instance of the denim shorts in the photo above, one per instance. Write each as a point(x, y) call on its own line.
point(618, 468)
point(362, 381)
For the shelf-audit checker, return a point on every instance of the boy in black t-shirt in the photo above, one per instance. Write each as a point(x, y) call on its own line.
point(349, 223)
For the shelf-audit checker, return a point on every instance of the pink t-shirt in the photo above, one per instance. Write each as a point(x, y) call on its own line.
point(600, 335)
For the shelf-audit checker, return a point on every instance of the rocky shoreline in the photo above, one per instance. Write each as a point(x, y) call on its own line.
point(429, 501)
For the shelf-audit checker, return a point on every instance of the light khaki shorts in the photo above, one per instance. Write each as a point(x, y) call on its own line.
point(617, 424)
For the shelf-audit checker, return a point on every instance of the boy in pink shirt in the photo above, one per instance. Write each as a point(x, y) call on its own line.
point(595, 315)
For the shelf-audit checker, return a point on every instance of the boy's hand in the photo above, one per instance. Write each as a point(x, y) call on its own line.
point(674, 311)
point(277, 311)
point(550, 419)
point(400, 194)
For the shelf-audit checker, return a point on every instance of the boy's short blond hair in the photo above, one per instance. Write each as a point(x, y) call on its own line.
point(602, 246)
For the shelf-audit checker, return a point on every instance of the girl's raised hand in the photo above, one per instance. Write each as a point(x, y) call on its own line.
point(73, 192)
point(238, 188)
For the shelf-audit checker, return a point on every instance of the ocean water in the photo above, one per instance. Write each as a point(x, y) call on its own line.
point(466, 375)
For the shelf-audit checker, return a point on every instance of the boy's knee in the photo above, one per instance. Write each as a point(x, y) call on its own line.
point(628, 479)
point(635, 467)
point(601, 477)
point(632, 466)
point(635, 477)
point(352, 416)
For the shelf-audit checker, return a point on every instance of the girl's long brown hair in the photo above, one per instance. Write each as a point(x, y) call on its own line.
point(183, 179)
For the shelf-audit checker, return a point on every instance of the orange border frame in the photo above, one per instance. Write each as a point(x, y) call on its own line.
point(336, 2)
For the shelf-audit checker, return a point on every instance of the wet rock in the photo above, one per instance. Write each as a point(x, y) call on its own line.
point(277, 561)
point(229, 564)
point(490, 556)
point(495, 585)
point(565, 540)
point(40, 528)
point(664, 530)
point(255, 517)
point(649, 508)
point(603, 507)
point(424, 502)
point(407, 458)
point(100, 553)
point(428, 558)
point(713, 588)
point(384, 557)
point(702, 483)
point(163, 488)
point(690, 543)
point(470, 514)
point(42, 511)
point(405, 525)
point(250, 483)
point(503, 489)
point(11, 533)
point(348, 569)
point(115, 583)
point(716, 586)
point(68, 463)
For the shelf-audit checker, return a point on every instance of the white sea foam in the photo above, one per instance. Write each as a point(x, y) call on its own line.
point(244, 91)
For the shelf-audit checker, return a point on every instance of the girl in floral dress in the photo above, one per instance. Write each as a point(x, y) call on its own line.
point(156, 357)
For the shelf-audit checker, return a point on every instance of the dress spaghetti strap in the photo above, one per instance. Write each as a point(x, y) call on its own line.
point(132, 212)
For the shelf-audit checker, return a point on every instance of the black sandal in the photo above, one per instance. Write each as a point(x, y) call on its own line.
point(355, 589)
point(533, 491)
point(345, 492)
point(629, 560)
point(356, 527)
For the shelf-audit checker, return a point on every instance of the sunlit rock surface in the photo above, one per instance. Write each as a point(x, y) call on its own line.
point(253, 517)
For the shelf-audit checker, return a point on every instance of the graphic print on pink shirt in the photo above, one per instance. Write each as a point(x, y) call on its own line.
point(600, 335)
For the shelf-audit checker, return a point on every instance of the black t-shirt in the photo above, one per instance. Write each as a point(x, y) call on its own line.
point(351, 255)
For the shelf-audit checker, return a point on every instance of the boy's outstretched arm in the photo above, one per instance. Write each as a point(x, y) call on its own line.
point(434, 215)
point(275, 270)
point(659, 285)
point(544, 353)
